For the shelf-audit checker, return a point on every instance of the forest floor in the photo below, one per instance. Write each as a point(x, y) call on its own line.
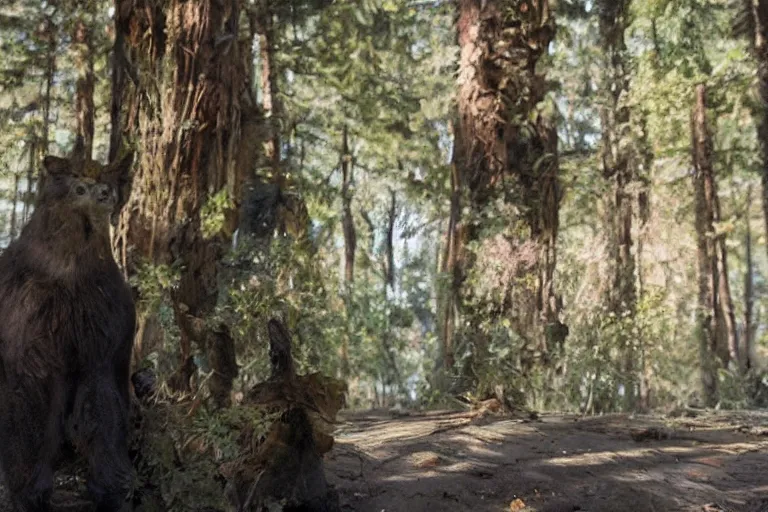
point(443, 462)
point(453, 461)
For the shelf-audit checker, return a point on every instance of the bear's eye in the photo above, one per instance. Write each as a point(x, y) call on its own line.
point(80, 190)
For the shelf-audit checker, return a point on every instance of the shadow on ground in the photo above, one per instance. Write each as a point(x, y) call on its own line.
point(447, 462)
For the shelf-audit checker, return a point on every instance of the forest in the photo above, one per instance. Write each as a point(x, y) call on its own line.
point(496, 208)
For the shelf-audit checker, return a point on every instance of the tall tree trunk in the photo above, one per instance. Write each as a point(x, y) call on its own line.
point(644, 214)
point(704, 188)
point(347, 220)
point(619, 169)
point(185, 112)
point(82, 56)
point(51, 31)
point(449, 292)
point(262, 22)
point(389, 244)
point(749, 287)
point(545, 223)
point(496, 150)
point(120, 64)
point(350, 241)
point(757, 15)
point(729, 349)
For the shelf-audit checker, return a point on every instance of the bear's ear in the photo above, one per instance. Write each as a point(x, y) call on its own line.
point(55, 165)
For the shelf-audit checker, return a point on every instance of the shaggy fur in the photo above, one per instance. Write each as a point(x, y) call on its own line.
point(66, 334)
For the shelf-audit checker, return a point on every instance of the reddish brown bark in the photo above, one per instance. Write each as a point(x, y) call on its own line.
point(262, 23)
point(185, 110)
point(85, 109)
point(705, 192)
point(498, 153)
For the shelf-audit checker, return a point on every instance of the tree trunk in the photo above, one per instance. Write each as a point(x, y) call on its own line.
point(704, 188)
point(619, 170)
point(545, 227)
point(389, 269)
point(730, 347)
point(350, 242)
point(51, 31)
point(757, 11)
point(185, 112)
point(497, 153)
point(749, 287)
point(262, 22)
point(347, 220)
point(449, 268)
point(644, 214)
point(82, 56)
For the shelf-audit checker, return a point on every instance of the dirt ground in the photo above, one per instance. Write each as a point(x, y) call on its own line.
point(447, 461)
point(442, 462)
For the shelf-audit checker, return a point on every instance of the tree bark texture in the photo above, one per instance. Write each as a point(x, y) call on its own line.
point(185, 111)
point(704, 193)
point(262, 20)
point(616, 154)
point(82, 56)
point(498, 151)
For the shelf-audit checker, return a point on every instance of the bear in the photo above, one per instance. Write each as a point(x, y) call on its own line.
point(67, 322)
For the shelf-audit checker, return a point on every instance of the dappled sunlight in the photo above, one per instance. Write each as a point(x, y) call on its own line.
point(385, 255)
point(549, 461)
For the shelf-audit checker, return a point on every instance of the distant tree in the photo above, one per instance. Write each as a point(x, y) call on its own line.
point(751, 22)
point(715, 313)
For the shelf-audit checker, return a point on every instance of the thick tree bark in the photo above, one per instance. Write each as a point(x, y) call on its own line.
point(185, 111)
point(498, 153)
point(704, 188)
point(82, 56)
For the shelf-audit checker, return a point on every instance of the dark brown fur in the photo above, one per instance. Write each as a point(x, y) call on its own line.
point(66, 334)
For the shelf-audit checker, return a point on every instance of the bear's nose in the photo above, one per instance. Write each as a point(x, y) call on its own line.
point(102, 192)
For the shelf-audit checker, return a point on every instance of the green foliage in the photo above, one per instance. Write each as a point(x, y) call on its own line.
point(384, 70)
point(213, 213)
point(154, 283)
point(201, 443)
